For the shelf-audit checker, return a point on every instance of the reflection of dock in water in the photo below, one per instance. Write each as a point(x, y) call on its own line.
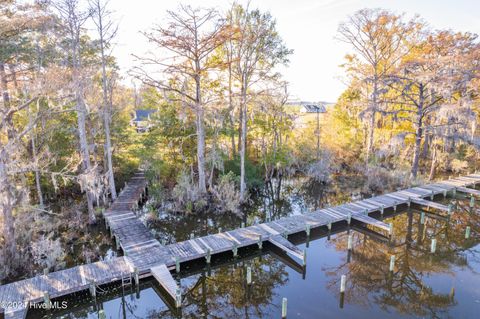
point(144, 255)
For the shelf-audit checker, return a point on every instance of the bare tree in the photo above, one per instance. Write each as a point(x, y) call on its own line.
point(256, 51)
point(106, 31)
point(378, 37)
point(72, 22)
point(189, 40)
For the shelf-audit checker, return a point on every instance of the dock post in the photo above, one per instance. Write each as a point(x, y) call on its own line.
point(235, 250)
point(219, 230)
point(409, 203)
point(329, 226)
point(433, 247)
point(101, 314)
point(445, 194)
point(46, 300)
point(454, 192)
point(208, 257)
point(349, 218)
point(177, 264)
point(284, 308)
point(117, 242)
point(392, 263)
point(307, 229)
point(432, 195)
point(450, 210)
point(242, 225)
point(260, 242)
point(343, 282)
point(390, 232)
point(178, 298)
point(422, 218)
point(350, 242)
point(467, 232)
point(46, 271)
point(192, 236)
point(249, 275)
point(395, 206)
point(136, 276)
point(93, 290)
point(382, 209)
point(304, 257)
point(472, 201)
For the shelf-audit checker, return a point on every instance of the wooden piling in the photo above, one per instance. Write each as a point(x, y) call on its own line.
point(177, 264)
point(46, 300)
point(249, 275)
point(284, 308)
point(467, 232)
point(136, 276)
point(343, 282)
point(260, 242)
point(422, 218)
point(392, 263)
point(307, 229)
point(208, 257)
point(235, 249)
point(433, 246)
point(350, 242)
point(178, 297)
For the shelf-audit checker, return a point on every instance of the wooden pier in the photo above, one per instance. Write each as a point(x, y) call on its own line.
point(145, 256)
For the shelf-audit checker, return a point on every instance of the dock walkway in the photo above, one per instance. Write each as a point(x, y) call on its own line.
point(146, 256)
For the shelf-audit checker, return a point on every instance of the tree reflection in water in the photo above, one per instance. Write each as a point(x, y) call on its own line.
point(406, 289)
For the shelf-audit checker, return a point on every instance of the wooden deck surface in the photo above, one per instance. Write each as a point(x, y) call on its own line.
point(144, 253)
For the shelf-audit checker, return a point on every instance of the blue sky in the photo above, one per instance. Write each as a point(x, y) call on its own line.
point(307, 26)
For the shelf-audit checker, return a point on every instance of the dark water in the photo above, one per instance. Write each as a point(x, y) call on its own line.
point(444, 284)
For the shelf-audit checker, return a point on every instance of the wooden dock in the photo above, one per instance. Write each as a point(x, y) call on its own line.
point(145, 256)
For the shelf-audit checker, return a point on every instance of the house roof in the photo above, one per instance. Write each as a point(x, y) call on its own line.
point(314, 108)
point(142, 115)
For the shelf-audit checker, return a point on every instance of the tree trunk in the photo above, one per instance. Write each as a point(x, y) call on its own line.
point(371, 126)
point(418, 134)
point(37, 173)
point(6, 206)
point(84, 152)
point(200, 134)
point(106, 110)
point(243, 107)
point(434, 162)
point(232, 111)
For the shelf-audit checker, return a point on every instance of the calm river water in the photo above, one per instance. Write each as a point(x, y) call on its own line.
point(444, 284)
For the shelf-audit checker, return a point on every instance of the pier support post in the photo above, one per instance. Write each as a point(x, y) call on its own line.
point(349, 218)
point(422, 218)
point(472, 202)
point(343, 283)
point(249, 275)
point(177, 264)
point(260, 242)
point(101, 314)
point(382, 209)
point(284, 308)
point(450, 210)
point(136, 276)
point(392, 263)
point(178, 298)
point(208, 257)
point(307, 229)
point(409, 203)
point(467, 232)
point(235, 249)
point(93, 290)
point(46, 300)
point(304, 257)
point(433, 246)
point(454, 192)
point(350, 242)
point(329, 226)
point(219, 230)
point(432, 195)
point(242, 225)
point(395, 206)
point(192, 236)
point(445, 194)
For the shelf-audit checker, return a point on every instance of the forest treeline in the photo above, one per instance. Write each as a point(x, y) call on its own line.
point(223, 126)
